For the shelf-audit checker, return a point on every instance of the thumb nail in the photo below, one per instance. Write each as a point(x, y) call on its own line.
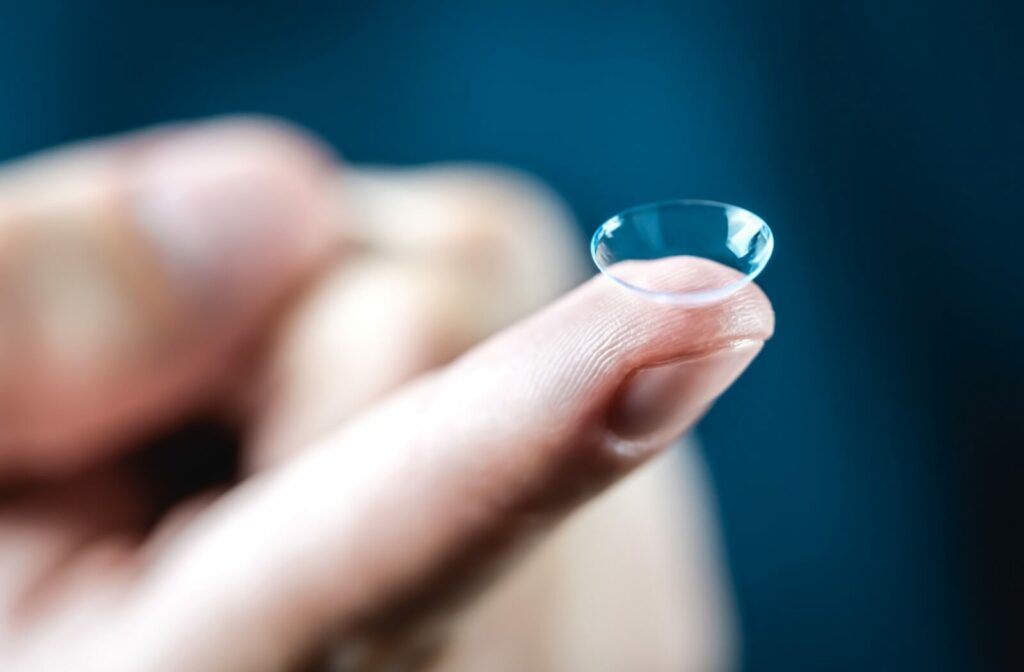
point(661, 402)
point(224, 219)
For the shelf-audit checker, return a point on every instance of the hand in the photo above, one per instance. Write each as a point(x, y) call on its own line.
point(225, 270)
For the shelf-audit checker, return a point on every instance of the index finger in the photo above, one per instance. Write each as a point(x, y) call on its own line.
point(414, 499)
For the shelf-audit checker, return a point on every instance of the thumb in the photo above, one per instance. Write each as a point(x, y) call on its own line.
point(131, 270)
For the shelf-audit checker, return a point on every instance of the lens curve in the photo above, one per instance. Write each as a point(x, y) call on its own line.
point(727, 234)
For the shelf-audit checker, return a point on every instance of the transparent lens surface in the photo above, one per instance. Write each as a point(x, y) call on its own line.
point(723, 233)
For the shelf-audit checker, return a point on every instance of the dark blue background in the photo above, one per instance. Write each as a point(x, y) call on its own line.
point(869, 466)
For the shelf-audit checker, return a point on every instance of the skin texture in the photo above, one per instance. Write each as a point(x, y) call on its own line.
point(233, 270)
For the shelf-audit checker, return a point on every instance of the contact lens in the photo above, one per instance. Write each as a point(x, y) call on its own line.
point(723, 233)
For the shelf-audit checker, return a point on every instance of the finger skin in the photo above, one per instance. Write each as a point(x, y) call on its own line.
point(133, 272)
point(435, 484)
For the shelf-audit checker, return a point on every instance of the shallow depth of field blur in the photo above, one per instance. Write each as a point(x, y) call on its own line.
point(867, 470)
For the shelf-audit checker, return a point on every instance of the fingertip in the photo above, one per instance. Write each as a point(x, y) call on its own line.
point(603, 362)
point(742, 309)
point(601, 328)
point(673, 361)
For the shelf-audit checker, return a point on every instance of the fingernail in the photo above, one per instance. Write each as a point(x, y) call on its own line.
point(663, 401)
point(217, 217)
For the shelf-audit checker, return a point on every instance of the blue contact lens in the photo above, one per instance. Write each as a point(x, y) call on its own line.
point(719, 232)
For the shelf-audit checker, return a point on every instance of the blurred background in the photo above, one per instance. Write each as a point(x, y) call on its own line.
point(868, 469)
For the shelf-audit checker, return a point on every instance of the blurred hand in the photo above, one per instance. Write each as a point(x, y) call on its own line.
point(225, 269)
